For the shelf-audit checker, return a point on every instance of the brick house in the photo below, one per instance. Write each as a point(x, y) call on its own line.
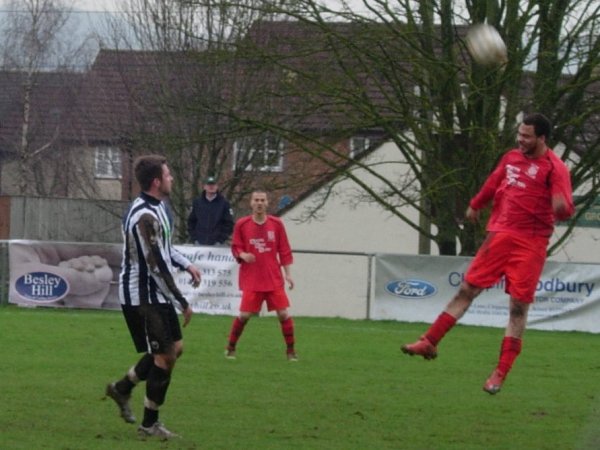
point(36, 123)
point(128, 102)
point(256, 115)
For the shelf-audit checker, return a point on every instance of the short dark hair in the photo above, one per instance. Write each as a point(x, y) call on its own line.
point(541, 124)
point(259, 191)
point(147, 168)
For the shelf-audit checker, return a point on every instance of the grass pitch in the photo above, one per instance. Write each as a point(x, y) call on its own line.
point(351, 389)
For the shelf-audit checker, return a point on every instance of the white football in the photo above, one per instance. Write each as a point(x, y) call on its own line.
point(486, 46)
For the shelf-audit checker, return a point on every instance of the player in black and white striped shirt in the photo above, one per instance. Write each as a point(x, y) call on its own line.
point(148, 295)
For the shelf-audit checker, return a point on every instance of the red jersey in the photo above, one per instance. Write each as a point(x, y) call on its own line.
point(522, 189)
point(268, 242)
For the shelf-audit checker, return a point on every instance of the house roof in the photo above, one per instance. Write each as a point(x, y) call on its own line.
point(318, 80)
point(52, 101)
point(118, 92)
point(282, 70)
point(323, 73)
point(129, 92)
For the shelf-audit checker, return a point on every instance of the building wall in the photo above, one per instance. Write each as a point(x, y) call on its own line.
point(66, 175)
point(86, 185)
point(582, 245)
point(345, 225)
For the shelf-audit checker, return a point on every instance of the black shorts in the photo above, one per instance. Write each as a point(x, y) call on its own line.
point(153, 328)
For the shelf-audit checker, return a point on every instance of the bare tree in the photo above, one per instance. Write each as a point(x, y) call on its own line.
point(190, 51)
point(397, 67)
point(402, 67)
point(37, 69)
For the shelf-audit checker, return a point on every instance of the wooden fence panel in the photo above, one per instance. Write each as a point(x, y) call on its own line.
point(71, 220)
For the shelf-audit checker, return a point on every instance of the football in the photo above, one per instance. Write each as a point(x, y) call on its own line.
point(486, 46)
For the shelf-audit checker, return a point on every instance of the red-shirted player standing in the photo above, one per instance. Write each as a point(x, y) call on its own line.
point(530, 188)
point(261, 246)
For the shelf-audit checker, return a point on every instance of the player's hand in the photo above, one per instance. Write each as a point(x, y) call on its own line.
point(472, 214)
point(290, 281)
point(195, 273)
point(187, 315)
point(248, 257)
point(561, 207)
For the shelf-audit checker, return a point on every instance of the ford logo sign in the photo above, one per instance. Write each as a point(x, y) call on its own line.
point(411, 288)
point(42, 287)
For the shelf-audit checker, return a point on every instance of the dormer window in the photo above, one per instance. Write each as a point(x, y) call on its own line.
point(358, 145)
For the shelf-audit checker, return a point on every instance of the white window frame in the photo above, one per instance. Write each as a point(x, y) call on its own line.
point(107, 162)
point(271, 148)
point(359, 145)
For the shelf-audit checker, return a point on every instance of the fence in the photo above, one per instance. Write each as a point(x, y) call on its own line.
point(61, 219)
point(409, 288)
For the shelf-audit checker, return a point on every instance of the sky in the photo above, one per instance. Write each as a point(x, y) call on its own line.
point(111, 5)
point(84, 5)
point(96, 5)
point(90, 25)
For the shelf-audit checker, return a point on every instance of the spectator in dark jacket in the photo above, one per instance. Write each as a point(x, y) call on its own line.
point(211, 219)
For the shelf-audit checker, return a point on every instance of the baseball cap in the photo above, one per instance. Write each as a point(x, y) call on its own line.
point(210, 180)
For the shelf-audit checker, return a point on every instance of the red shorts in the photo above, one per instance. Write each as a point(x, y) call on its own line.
point(519, 258)
point(252, 300)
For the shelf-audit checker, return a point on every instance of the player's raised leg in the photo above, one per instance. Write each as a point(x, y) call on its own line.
point(120, 391)
point(426, 346)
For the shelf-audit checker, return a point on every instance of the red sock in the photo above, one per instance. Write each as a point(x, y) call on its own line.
point(237, 327)
point(510, 349)
point(287, 329)
point(440, 327)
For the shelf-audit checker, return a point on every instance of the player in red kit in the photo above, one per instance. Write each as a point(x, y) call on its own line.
point(530, 188)
point(261, 246)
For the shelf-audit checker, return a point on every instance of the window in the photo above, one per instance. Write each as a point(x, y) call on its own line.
point(358, 145)
point(107, 162)
point(262, 153)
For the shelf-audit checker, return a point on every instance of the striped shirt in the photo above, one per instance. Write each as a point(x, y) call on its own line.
point(149, 257)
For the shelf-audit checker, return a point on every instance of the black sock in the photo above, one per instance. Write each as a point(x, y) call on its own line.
point(150, 417)
point(142, 368)
point(124, 386)
point(156, 390)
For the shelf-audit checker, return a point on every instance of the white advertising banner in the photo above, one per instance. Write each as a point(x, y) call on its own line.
point(218, 292)
point(417, 288)
point(86, 275)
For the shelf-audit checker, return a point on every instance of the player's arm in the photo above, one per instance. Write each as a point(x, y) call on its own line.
point(284, 251)
point(238, 249)
point(149, 232)
point(487, 191)
point(561, 207)
point(183, 263)
point(562, 198)
point(288, 276)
